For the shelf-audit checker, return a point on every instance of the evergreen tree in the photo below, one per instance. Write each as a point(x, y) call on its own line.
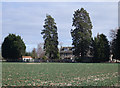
point(0, 55)
point(81, 34)
point(101, 48)
point(50, 37)
point(28, 54)
point(95, 49)
point(117, 45)
point(13, 48)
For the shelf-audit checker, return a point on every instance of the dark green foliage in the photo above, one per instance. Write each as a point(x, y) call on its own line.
point(101, 48)
point(50, 37)
point(28, 54)
point(91, 47)
point(81, 34)
point(95, 49)
point(116, 44)
point(13, 47)
point(0, 56)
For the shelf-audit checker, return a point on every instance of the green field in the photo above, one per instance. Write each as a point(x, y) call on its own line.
point(59, 74)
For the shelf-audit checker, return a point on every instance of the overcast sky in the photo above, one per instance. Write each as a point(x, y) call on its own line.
point(27, 18)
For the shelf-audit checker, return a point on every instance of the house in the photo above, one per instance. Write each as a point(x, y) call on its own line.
point(66, 53)
point(27, 58)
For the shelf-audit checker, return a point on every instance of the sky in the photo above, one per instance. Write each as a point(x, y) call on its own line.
point(27, 19)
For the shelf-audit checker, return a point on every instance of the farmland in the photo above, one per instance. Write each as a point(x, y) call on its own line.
point(60, 74)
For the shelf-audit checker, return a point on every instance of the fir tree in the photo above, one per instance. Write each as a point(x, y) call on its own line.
point(50, 37)
point(101, 48)
point(81, 34)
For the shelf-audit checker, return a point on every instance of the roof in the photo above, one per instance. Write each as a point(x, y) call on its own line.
point(69, 51)
point(67, 47)
point(26, 57)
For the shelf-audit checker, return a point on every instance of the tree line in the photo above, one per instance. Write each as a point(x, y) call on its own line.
point(84, 45)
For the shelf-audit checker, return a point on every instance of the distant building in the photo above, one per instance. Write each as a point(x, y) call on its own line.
point(66, 53)
point(27, 58)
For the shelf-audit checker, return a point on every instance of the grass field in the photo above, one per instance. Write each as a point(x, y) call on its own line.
point(60, 74)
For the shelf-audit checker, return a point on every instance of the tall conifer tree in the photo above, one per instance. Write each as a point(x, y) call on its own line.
point(81, 34)
point(117, 45)
point(101, 48)
point(50, 37)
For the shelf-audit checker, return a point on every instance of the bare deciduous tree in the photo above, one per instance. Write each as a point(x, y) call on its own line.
point(113, 33)
point(40, 50)
point(34, 54)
